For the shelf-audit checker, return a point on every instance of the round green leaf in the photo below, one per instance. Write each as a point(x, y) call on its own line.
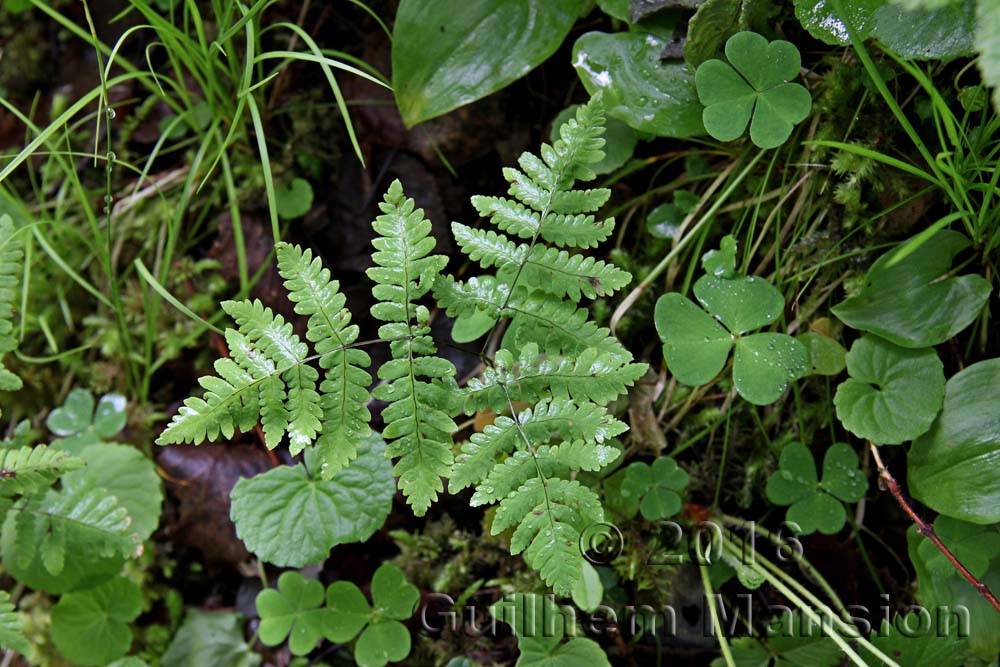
point(127, 474)
point(907, 299)
point(954, 468)
point(826, 356)
point(588, 591)
point(110, 416)
point(765, 363)
point(382, 642)
point(444, 54)
point(291, 518)
point(821, 19)
point(91, 627)
point(292, 610)
point(841, 476)
point(75, 415)
point(294, 199)
point(743, 304)
point(892, 394)
point(817, 512)
point(392, 594)
point(694, 344)
point(923, 34)
point(349, 611)
point(638, 87)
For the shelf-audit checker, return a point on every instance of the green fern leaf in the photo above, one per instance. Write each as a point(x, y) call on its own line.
point(230, 402)
point(10, 269)
point(592, 376)
point(11, 635)
point(344, 390)
point(28, 470)
point(418, 431)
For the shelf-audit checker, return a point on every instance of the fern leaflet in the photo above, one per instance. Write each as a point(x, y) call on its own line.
point(28, 470)
point(11, 635)
point(417, 430)
point(10, 268)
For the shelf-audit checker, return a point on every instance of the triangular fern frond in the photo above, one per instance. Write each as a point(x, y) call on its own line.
point(417, 430)
point(10, 268)
point(28, 470)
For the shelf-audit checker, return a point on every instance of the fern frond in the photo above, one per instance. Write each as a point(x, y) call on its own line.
point(417, 430)
point(230, 402)
point(560, 417)
point(344, 390)
point(579, 231)
point(28, 470)
point(598, 378)
point(11, 635)
point(10, 268)
point(548, 269)
point(67, 522)
point(550, 515)
point(558, 325)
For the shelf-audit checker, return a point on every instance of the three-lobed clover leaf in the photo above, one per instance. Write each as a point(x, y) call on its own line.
point(295, 611)
point(697, 341)
point(657, 487)
point(893, 394)
point(383, 638)
point(815, 504)
point(753, 87)
point(79, 424)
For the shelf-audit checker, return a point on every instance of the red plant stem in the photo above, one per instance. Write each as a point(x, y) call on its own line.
point(927, 530)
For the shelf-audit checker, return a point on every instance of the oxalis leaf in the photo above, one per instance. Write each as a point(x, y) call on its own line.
point(815, 504)
point(294, 609)
point(656, 486)
point(907, 301)
point(290, 517)
point(696, 346)
point(953, 467)
point(540, 627)
point(79, 424)
point(442, 53)
point(638, 88)
point(892, 394)
point(91, 627)
point(753, 88)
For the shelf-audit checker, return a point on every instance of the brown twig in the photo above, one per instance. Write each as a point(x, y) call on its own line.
point(927, 530)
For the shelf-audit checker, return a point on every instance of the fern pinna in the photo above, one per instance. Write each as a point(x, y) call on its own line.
point(567, 365)
point(10, 268)
point(553, 357)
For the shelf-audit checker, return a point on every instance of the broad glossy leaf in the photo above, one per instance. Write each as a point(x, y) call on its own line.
point(91, 627)
point(210, 639)
point(743, 304)
point(293, 610)
point(987, 43)
point(908, 302)
point(821, 19)
point(948, 591)
point(382, 642)
point(444, 54)
point(892, 394)
point(127, 474)
point(954, 468)
point(764, 364)
point(708, 29)
point(923, 34)
point(638, 87)
point(290, 517)
point(588, 591)
point(695, 345)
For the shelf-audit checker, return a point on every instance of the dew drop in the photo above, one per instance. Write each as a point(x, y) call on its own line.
point(111, 113)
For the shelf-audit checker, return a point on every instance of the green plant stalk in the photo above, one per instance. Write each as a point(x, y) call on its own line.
point(805, 609)
point(634, 295)
point(706, 582)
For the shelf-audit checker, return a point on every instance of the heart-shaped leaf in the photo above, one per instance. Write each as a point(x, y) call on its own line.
point(295, 610)
point(392, 594)
point(695, 345)
point(744, 303)
point(656, 486)
point(268, 509)
point(91, 627)
point(294, 199)
point(765, 363)
point(753, 88)
point(382, 642)
point(443, 54)
point(814, 504)
point(892, 394)
point(349, 611)
point(953, 467)
point(909, 301)
point(826, 355)
point(639, 89)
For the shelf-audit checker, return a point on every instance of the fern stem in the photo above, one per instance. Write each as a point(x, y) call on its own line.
point(531, 450)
